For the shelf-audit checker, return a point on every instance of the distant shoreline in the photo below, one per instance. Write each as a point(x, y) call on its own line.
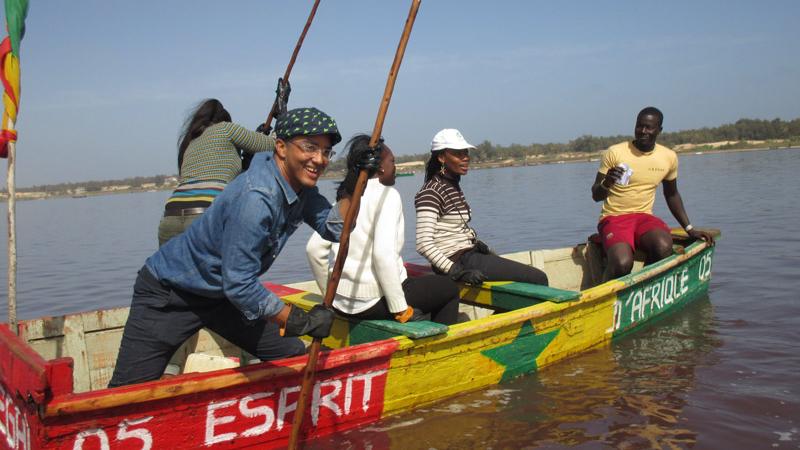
point(419, 166)
point(411, 167)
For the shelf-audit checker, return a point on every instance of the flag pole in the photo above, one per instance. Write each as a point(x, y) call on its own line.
point(16, 11)
point(12, 233)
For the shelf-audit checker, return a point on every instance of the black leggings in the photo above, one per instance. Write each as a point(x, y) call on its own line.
point(497, 268)
point(434, 294)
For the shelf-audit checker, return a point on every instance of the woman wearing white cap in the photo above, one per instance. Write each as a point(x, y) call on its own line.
point(443, 234)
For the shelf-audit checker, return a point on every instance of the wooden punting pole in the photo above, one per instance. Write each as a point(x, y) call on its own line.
point(349, 222)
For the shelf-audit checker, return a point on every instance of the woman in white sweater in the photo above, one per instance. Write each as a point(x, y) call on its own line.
point(374, 283)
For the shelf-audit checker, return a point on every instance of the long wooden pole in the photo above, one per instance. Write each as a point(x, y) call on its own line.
point(12, 233)
point(294, 57)
point(349, 221)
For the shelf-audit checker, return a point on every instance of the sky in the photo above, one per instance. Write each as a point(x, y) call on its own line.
point(107, 84)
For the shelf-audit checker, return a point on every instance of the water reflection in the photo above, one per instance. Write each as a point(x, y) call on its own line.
point(630, 395)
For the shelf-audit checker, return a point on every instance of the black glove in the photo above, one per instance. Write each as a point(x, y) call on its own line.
point(246, 159)
point(370, 160)
point(264, 128)
point(282, 96)
point(418, 315)
point(315, 323)
point(458, 272)
point(482, 248)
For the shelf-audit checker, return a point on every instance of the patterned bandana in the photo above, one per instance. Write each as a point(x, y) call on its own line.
point(306, 122)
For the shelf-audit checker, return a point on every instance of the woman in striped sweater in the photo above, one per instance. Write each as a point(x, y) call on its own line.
point(374, 283)
point(443, 234)
point(208, 159)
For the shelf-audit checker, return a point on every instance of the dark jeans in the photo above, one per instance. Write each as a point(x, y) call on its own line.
point(436, 295)
point(497, 268)
point(161, 319)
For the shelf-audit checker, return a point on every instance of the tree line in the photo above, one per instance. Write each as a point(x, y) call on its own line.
point(96, 186)
point(741, 130)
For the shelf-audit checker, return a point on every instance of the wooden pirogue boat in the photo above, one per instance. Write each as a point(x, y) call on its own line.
point(54, 374)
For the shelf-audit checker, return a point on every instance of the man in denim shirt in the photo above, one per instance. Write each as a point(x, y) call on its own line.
point(209, 275)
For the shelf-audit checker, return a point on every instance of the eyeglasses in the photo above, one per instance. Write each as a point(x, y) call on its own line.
point(460, 154)
point(313, 149)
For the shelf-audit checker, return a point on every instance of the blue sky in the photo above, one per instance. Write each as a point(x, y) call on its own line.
point(106, 84)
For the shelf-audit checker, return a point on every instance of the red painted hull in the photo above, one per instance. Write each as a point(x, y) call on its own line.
point(233, 408)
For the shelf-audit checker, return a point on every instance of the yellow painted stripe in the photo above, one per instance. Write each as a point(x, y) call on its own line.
point(192, 199)
point(481, 294)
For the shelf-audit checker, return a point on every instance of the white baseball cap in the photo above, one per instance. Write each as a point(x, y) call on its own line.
point(449, 138)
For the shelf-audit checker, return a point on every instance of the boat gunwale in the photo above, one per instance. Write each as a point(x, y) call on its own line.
point(587, 297)
point(198, 383)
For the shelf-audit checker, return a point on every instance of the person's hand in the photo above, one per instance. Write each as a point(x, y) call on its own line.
point(458, 272)
point(315, 323)
point(482, 248)
point(370, 160)
point(282, 96)
point(613, 175)
point(699, 234)
point(264, 128)
point(409, 315)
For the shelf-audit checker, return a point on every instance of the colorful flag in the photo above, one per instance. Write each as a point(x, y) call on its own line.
point(16, 10)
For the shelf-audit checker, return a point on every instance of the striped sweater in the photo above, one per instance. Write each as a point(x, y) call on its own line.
point(212, 160)
point(442, 221)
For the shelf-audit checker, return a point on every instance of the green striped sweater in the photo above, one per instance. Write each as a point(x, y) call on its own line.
point(212, 160)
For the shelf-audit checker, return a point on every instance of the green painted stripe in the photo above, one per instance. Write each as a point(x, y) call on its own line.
point(645, 302)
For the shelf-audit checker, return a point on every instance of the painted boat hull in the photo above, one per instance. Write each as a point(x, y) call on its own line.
point(356, 384)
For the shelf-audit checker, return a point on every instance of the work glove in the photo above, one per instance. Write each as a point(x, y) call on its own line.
point(482, 248)
point(370, 160)
point(264, 128)
point(246, 159)
point(282, 96)
point(315, 323)
point(409, 315)
point(458, 272)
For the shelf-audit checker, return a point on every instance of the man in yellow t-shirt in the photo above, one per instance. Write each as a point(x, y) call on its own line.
point(627, 180)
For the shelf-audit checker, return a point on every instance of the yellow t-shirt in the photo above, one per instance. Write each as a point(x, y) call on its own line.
point(649, 169)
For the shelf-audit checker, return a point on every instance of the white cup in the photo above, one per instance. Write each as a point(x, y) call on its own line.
point(626, 176)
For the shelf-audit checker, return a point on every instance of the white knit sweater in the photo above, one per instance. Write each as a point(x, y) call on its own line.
point(374, 267)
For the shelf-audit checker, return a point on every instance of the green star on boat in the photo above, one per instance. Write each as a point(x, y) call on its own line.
point(519, 356)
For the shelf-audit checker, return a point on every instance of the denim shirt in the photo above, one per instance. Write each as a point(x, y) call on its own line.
point(222, 254)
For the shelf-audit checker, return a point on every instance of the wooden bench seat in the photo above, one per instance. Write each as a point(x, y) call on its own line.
point(382, 329)
point(504, 295)
point(359, 331)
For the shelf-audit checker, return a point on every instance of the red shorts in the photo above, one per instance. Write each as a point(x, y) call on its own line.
point(628, 228)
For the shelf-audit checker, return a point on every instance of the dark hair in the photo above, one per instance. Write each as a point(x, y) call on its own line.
point(205, 114)
point(433, 166)
point(652, 111)
point(356, 147)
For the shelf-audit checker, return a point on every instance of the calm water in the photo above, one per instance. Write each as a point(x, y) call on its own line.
point(721, 374)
